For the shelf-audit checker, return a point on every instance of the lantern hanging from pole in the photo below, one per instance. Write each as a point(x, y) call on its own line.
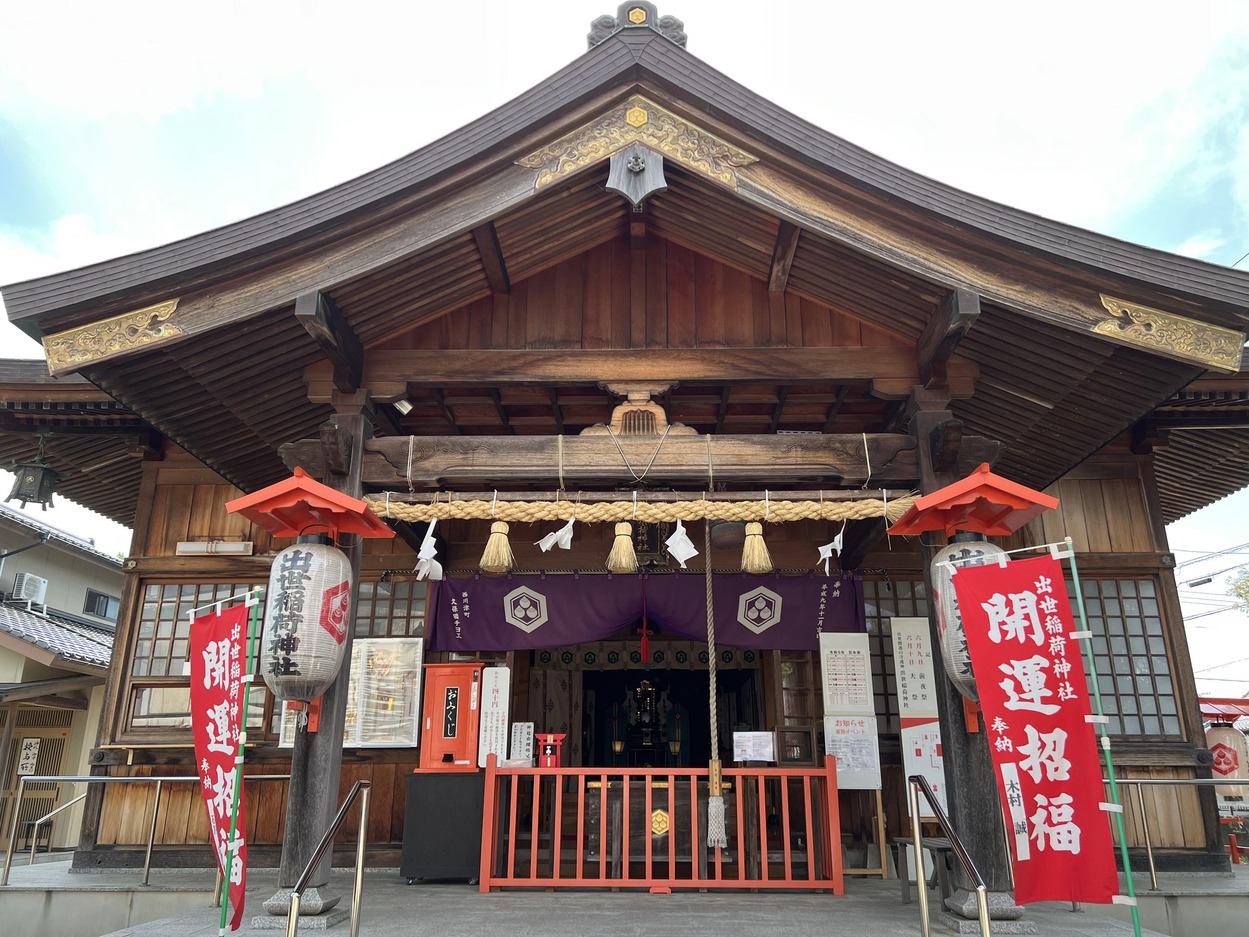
point(306, 619)
point(34, 480)
point(966, 549)
point(1231, 759)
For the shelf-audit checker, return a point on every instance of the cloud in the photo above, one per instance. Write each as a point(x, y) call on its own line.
point(1202, 245)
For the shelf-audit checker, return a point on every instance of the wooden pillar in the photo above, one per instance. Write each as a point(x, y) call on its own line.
point(971, 791)
point(316, 760)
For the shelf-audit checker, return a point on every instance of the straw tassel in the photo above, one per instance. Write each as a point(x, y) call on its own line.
point(622, 559)
point(497, 557)
point(755, 557)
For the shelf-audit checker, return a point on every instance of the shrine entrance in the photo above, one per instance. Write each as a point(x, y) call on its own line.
point(659, 718)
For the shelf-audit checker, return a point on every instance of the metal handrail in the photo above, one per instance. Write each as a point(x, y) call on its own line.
point(1140, 804)
point(34, 828)
point(106, 779)
point(918, 783)
point(362, 788)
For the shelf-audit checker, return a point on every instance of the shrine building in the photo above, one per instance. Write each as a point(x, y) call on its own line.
point(644, 299)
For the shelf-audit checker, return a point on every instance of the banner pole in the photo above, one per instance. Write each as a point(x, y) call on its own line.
point(245, 681)
point(1105, 738)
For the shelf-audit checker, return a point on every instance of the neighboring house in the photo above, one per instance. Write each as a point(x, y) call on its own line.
point(58, 615)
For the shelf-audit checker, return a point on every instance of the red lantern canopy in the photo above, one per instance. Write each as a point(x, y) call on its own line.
point(969, 510)
point(308, 605)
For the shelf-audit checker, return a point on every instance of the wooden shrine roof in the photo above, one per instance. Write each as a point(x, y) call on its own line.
point(399, 253)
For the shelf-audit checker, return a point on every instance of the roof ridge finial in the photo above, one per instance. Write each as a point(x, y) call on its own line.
point(635, 15)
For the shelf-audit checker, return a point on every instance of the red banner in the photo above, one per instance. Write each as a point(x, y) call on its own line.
point(1030, 678)
point(218, 704)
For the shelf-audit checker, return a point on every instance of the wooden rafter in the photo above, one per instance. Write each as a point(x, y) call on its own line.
point(943, 333)
point(781, 396)
point(441, 401)
point(502, 411)
point(835, 407)
point(556, 411)
point(783, 256)
point(328, 327)
point(492, 261)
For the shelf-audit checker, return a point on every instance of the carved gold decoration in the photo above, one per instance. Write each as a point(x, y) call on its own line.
point(1210, 345)
point(636, 116)
point(73, 348)
point(663, 131)
point(660, 824)
point(637, 16)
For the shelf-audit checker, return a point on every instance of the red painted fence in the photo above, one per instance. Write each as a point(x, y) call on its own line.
point(647, 828)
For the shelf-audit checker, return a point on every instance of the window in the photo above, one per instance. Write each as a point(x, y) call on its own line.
point(391, 609)
point(159, 694)
point(882, 600)
point(100, 605)
point(1130, 653)
point(164, 626)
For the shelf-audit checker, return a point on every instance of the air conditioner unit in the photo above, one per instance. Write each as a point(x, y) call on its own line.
point(30, 588)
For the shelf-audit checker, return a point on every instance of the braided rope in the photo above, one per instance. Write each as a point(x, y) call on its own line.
point(602, 512)
point(711, 646)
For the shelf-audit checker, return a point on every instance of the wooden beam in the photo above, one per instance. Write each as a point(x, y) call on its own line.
point(487, 241)
point(389, 372)
point(781, 396)
point(783, 256)
point(556, 411)
point(499, 408)
point(835, 407)
point(943, 333)
point(503, 461)
point(446, 411)
point(328, 327)
point(723, 411)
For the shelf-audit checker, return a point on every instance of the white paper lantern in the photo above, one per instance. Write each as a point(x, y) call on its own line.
point(961, 553)
point(1231, 759)
point(306, 620)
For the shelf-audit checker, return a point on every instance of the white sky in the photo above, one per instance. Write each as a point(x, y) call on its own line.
point(127, 124)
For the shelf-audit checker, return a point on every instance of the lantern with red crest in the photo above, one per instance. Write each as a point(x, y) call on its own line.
point(308, 605)
point(968, 512)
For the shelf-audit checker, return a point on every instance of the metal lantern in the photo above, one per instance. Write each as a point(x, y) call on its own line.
point(307, 617)
point(34, 480)
point(966, 549)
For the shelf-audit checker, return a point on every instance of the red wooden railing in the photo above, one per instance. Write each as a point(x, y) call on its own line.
point(647, 828)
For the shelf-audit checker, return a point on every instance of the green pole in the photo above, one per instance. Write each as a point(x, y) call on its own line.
point(1105, 739)
point(246, 685)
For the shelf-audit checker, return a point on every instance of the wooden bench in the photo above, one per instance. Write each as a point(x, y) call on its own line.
point(942, 852)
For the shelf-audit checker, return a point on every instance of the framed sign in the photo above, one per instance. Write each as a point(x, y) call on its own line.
point(28, 757)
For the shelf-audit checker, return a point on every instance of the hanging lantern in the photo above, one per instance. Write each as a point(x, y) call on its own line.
point(34, 480)
point(966, 549)
point(306, 619)
point(1231, 759)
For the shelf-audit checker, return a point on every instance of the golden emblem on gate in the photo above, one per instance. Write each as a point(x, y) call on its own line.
point(637, 16)
point(636, 116)
point(660, 822)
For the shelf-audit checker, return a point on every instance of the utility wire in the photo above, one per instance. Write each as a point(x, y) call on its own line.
point(1246, 254)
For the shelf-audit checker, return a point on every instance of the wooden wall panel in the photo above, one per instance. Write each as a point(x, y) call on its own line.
point(660, 295)
point(1174, 813)
point(1101, 515)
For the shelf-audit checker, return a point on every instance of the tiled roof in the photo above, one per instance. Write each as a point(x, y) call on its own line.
point(55, 533)
point(65, 637)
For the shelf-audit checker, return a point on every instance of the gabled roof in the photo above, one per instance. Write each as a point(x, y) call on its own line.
point(629, 59)
point(74, 643)
point(400, 248)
